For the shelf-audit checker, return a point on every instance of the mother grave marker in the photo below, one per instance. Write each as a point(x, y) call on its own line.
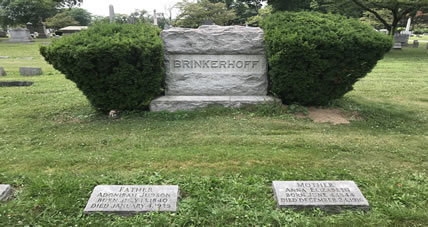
point(327, 195)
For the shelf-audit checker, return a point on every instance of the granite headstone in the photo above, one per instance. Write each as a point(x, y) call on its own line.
point(415, 44)
point(402, 38)
point(132, 199)
point(327, 195)
point(213, 65)
point(20, 35)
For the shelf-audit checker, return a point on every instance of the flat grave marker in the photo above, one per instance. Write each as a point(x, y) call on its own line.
point(326, 195)
point(5, 192)
point(30, 71)
point(132, 199)
point(397, 46)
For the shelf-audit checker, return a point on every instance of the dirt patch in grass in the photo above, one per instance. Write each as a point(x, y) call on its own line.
point(333, 116)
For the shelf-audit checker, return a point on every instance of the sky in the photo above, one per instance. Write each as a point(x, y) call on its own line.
point(101, 7)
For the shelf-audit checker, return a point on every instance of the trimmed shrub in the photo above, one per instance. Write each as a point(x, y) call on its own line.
point(315, 58)
point(116, 66)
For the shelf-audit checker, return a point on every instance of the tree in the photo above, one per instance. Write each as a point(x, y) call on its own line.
point(61, 20)
point(343, 7)
point(194, 15)
point(397, 9)
point(290, 5)
point(263, 12)
point(80, 15)
point(14, 12)
point(244, 9)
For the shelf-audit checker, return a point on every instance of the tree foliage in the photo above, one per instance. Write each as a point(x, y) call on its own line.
point(397, 9)
point(194, 15)
point(15, 12)
point(61, 20)
point(343, 7)
point(244, 9)
point(80, 15)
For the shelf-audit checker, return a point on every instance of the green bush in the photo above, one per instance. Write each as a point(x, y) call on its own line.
point(315, 58)
point(116, 66)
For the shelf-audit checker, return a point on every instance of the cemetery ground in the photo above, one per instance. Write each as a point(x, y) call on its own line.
point(54, 149)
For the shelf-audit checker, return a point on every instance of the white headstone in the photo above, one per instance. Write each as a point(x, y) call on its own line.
point(132, 199)
point(328, 195)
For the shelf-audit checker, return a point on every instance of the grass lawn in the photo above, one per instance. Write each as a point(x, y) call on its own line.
point(54, 149)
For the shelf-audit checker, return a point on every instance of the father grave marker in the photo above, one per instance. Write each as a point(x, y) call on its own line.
point(213, 65)
point(327, 195)
point(131, 199)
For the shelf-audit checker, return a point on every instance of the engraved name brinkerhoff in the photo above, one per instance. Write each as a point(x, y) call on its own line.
point(212, 64)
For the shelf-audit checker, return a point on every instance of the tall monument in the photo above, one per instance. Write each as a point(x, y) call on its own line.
point(155, 18)
point(111, 13)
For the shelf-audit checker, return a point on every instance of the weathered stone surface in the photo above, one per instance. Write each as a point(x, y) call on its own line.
point(5, 192)
point(402, 38)
point(217, 61)
point(131, 199)
point(175, 103)
point(416, 44)
point(20, 35)
point(327, 195)
point(397, 46)
point(30, 71)
point(216, 75)
point(213, 39)
point(15, 83)
point(2, 72)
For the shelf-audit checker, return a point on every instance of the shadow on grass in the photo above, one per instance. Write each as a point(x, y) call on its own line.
point(384, 116)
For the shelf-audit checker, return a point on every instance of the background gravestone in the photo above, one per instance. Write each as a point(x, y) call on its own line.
point(397, 46)
point(402, 38)
point(20, 35)
point(41, 31)
point(220, 65)
point(2, 72)
point(327, 195)
point(131, 199)
point(30, 71)
point(5, 192)
point(415, 44)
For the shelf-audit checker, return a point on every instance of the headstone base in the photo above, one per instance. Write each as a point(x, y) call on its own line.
point(176, 103)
